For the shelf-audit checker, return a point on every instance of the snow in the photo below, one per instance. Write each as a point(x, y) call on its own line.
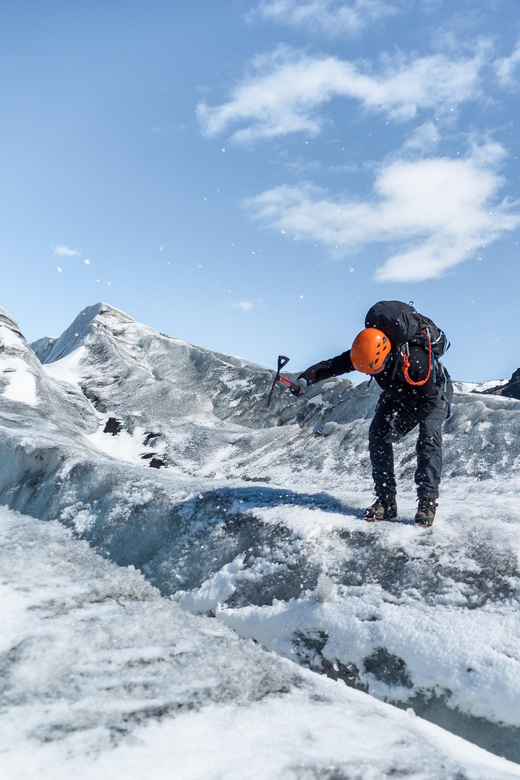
point(21, 385)
point(104, 678)
point(478, 387)
point(124, 446)
point(68, 369)
point(7, 337)
point(251, 530)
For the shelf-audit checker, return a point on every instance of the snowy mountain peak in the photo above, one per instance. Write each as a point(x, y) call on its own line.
point(133, 371)
point(49, 349)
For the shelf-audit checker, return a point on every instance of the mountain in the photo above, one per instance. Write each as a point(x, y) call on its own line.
point(249, 523)
point(509, 389)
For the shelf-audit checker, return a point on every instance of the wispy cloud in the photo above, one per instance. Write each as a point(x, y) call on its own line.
point(303, 167)
point(64, 251)
point(346, 168)
point(333, 17)
point(439, 211)
point(286, 89)
point(507, 67)
point(423, 140)
point(244, 305)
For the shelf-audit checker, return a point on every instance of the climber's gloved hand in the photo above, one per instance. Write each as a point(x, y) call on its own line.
point(299, 386)
point(393, 436)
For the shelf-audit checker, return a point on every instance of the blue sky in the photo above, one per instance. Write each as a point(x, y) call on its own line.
point(252, 176)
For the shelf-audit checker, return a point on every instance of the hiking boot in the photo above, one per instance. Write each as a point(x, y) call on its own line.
point(425, 514)
point(383, 508)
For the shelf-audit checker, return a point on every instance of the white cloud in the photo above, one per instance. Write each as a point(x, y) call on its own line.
point(506, 67)
point(438, 211)
point(64, 251)
point(346, 168)
point(302, 167)
point(287, 87)
point(334, 17)
point(244, 305)
point(423, 139)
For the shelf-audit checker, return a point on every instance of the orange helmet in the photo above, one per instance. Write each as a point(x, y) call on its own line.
point(369, 350)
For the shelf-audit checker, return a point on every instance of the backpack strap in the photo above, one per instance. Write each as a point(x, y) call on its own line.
point(433, 360)
point(405, 352)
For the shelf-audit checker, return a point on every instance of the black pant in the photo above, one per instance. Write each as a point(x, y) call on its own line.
point(429, 449)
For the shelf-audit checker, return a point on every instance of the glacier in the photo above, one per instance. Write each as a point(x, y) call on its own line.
point(204, 569)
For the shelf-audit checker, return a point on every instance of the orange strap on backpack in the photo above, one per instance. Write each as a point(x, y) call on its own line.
point(406, 363)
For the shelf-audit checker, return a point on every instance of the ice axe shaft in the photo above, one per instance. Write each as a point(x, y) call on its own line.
point(282, 361)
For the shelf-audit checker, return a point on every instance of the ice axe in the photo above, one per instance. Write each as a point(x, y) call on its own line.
point(282, 361)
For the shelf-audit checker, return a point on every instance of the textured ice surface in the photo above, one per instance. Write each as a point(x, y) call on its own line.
point(254, 515)
point(101, 677)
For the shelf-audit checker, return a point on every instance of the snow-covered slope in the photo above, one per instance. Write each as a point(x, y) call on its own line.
point(101, 677)
point(145, 377)
point(254, 515)
point(206, 412)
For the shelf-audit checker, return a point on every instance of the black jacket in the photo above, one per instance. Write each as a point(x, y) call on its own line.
point(416, 402)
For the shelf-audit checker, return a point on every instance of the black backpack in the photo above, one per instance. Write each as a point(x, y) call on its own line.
point(404, 326)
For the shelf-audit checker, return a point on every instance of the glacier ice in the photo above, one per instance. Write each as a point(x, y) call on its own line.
point(255, 514)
